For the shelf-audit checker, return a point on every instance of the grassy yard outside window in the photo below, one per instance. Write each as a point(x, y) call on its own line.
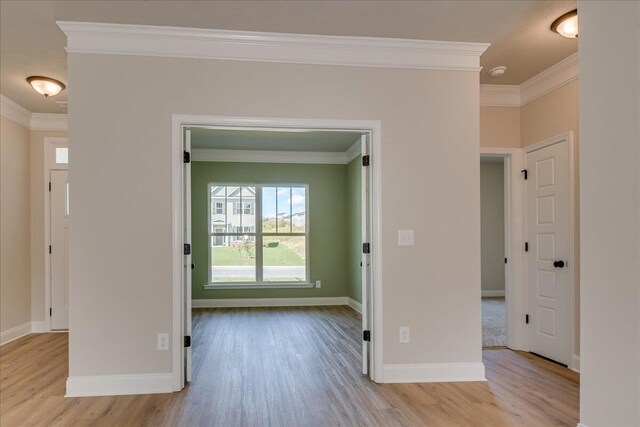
point(258, 234)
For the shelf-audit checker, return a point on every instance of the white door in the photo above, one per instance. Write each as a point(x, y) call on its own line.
point(366, 258)
point(548, 252)
point(59, 249)
point(187, 253)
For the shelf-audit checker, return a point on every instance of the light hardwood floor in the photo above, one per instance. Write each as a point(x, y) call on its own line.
point(286, 367)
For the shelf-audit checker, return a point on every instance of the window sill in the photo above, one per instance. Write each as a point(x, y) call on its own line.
point(274, 285)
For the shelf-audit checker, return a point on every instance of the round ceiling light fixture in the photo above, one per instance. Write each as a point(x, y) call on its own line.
point(567, 25)
point(497, 72)
point(46, 85)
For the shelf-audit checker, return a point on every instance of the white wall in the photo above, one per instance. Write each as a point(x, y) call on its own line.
point(492, 224)
point(610, 212)
point(15, 275)
point(120, 242)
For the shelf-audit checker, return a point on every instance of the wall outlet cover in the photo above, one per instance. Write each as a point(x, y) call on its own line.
point(405, 237)
point(404, 334)
point(163, 342)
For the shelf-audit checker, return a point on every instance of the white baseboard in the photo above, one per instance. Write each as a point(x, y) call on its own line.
point(492, 293)
point(15, 333)
point(38, 327)
point(434, 372)
point(581, 425)
point(112, 385)
point(269, 302)
point(355, 305)
point(575, 363)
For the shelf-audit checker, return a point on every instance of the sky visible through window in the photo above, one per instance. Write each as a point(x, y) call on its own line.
point(285, 196)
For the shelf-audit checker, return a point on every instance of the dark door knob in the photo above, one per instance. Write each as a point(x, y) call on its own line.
point(558, 264)
point(193, 266)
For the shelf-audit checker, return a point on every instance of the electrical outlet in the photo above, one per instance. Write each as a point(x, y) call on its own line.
point(163, 342)
point(404, 334)
point(318, 284)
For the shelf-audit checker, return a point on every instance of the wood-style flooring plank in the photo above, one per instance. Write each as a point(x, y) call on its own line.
point(293, 366)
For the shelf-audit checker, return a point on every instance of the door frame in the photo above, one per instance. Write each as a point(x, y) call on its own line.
point(515, 291)
point(179, 121)
point(49, 146)
point(572, 358)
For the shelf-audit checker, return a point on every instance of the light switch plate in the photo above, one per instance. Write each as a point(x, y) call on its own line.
point(405, 237)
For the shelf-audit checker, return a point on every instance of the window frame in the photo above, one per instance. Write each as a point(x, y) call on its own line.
point(259, 235)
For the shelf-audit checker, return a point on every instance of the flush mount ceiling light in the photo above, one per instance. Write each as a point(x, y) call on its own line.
point(46, 85)
point(567, 25)
point(497, 72)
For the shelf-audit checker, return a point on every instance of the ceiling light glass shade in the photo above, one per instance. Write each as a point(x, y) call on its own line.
point(45, 85)
point(567, 25)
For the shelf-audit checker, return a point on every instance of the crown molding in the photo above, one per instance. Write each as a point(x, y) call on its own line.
point(178, 42)
point(354, 151)
point(539, 85)
point(44, 121)
point(265, 156)
point(14, 111)
point(550, 79)
point(33, 121)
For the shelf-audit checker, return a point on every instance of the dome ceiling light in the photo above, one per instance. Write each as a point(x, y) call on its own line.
point(497, 72)
point(46, 85)
point(567, 25)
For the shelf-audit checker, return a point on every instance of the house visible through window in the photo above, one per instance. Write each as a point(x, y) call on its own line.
point(258, 234)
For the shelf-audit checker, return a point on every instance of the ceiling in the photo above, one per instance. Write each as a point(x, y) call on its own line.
point(32, 44)
point(233, 139)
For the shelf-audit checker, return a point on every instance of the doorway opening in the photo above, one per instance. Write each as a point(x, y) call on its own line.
point(283, 216)
point(493, 208)
point(57, 210)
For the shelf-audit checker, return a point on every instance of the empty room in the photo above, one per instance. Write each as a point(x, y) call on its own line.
point(320, 213)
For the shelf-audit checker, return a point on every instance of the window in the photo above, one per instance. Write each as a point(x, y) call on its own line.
point(264, 240)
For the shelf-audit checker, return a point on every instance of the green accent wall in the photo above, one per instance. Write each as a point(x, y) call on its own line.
point(329, 224)
point(354, 235)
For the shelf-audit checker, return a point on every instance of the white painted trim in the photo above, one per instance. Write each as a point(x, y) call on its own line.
point(39, 327)
point(15, 333)
point(571, 265)
point(14, 111)
point(269, 302)
point(112, 385)
point(575, 363)
point(180, 42)
point(42, 121)
point(373, 126)
point(550, 79)
point(499, 96)
point(515, 291)
point(50, 143)
point(582, 425)
point(434, 372)
point(492, 293)
point(354, 151)
point(539, 85)
point(355, 305)
point(34, 121)
point(264, 156)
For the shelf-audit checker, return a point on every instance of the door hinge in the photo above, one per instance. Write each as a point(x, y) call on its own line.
point(526, 173)
point(366, 248)
point(505, 260)
point(49, 186)
point(187, 249)
point(365, 160)
point(187, 341)
point(526, 246)
point(186, 157)
point(49, 248)
point(50, 311)
point(526, 319)
point(366, 336)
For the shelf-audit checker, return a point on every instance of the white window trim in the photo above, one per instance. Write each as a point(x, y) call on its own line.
point(259, 283)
